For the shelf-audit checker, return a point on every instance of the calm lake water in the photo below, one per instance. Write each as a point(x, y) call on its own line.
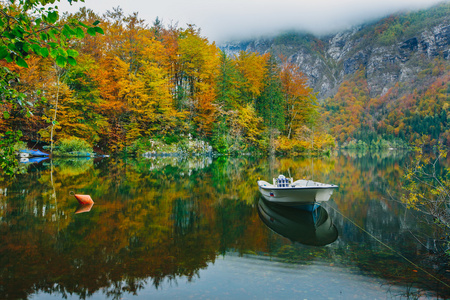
point(169, 228)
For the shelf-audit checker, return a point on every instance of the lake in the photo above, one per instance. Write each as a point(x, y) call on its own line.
point(170, 227)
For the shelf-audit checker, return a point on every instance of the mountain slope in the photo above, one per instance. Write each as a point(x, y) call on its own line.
point(393, 49)
point(376, 80)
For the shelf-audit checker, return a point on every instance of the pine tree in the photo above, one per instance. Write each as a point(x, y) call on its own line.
point(228, 92)
point(270, 104)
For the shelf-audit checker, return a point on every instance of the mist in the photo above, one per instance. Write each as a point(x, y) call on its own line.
point(224, 20)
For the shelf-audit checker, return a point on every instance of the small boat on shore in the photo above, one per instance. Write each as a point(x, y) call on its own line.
point(306, 194)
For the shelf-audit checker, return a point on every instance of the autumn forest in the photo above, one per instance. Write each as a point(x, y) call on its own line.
point(124, 86)
point(137, 83)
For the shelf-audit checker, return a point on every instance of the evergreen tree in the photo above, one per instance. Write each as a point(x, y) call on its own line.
point(228, 92)
point(270, 104)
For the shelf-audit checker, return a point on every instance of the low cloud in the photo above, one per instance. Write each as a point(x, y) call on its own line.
point(223, 20)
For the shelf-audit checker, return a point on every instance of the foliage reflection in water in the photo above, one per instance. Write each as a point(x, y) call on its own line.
point(168, 219)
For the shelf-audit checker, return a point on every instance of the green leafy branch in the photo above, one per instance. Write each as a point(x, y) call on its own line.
point(29, 28)
point(8, 140)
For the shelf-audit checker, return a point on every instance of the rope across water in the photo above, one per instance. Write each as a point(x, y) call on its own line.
point(389, 247)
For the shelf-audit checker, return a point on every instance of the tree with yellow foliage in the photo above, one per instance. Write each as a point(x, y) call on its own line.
point(299, 97)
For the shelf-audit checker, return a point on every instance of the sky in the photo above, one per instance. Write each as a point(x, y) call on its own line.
point(226, 20)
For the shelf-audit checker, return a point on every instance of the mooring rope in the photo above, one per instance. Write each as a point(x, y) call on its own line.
point(390, 248)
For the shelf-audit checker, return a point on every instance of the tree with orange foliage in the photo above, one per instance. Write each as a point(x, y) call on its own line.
point(299, 97)
point(252, 67)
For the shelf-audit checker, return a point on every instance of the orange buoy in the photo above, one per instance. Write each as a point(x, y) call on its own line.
point(83, 199)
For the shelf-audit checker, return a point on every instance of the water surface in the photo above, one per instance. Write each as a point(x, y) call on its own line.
point(178, 228)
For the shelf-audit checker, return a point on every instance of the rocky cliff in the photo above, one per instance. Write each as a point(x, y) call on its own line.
point(392, 50)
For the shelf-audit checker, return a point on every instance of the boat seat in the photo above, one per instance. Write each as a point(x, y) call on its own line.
point(282, 182)
point(301, 182)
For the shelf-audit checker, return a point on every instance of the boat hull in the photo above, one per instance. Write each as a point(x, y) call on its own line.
point(305, 197)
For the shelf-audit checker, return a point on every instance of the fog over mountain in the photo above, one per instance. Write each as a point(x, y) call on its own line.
point(223, 20)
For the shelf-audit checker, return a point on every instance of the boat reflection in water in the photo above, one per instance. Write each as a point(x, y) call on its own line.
point(309, 228)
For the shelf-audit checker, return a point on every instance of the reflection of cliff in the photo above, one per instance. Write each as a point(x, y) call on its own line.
point(309, 228)
point(369, 189)
point(362, 249)
point(364, 179)
point(186, 165)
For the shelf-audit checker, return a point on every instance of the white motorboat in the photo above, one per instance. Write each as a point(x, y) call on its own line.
point(302, 192)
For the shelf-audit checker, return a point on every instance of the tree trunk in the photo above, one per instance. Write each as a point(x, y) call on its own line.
point(58, 83)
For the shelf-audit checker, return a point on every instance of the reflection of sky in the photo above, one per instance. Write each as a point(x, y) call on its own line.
point(233, 277)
